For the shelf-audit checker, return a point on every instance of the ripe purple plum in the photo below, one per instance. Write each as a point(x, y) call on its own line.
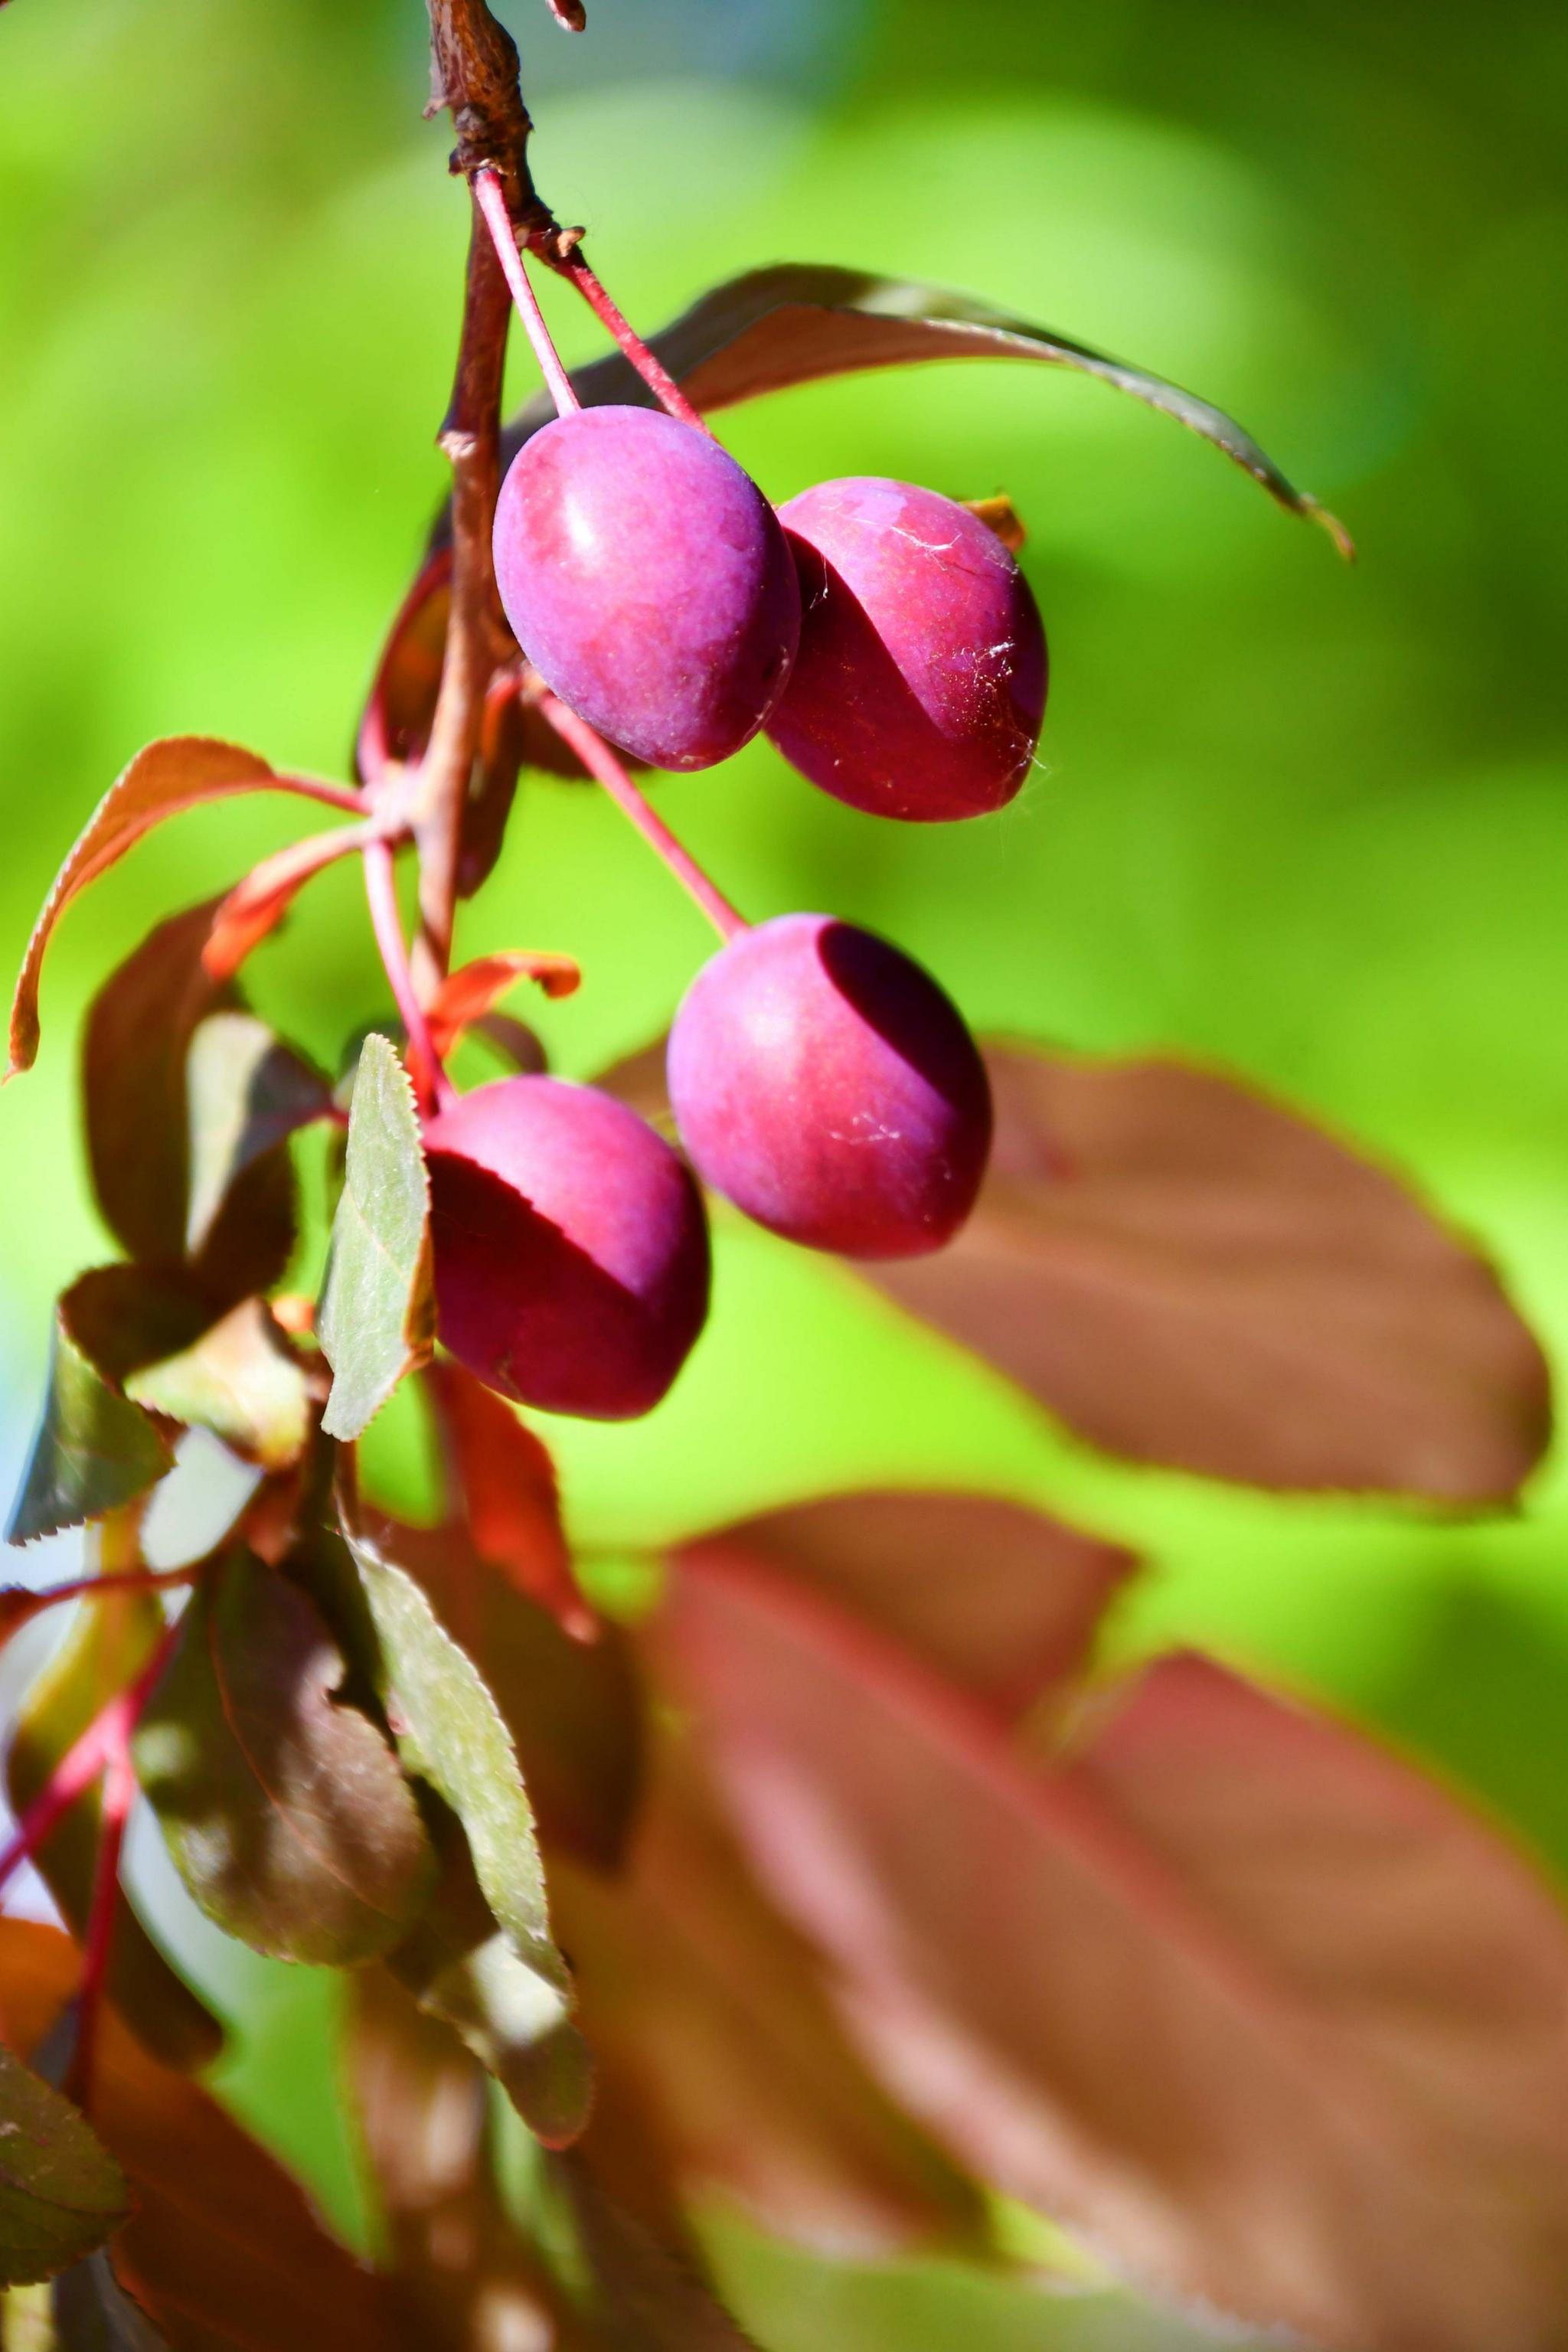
point(570, 1247)
point(919, 684)
point(825, 1083)
point(649, 581)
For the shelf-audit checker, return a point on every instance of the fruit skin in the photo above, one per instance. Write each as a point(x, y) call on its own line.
point(647, 579)
point(570, 1247)
point(823, 1083)
point(920, 685)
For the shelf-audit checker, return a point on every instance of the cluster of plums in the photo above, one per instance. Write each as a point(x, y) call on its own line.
point(888, 642)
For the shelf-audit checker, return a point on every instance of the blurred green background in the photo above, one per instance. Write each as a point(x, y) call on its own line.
point(1304, 821)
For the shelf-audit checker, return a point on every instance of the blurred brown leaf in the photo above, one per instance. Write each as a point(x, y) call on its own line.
point(1003, 1600)
point(720, 2059)
point(1259, 2008)
point(222, 2251)
point(1191, 1275)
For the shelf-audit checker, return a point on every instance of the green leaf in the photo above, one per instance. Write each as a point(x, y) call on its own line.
point(450, 1734)
point(241, 1381)
point(463, 1968)
point(799, 321)
point(283, 1806)
point(377, 1311)
point(93, 1451)
point(106, 1645)
point(61, 2192)
point(246, 1093)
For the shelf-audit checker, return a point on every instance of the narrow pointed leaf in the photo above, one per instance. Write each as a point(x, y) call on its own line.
point(378, 1313)
point(571, 1707)
point(93, 1451)
point(181, 772)
point(239, 1380)
point(106, 1647)
point(450, 1734)
point(255, 906)
point(222, 2251)
point(467, 994)
point(505, 1487)
point(246, 1093)
point(61, 2192)
point(1189, 1273)
point(799, 321)
point(1249, 2001)
point(282, 1805)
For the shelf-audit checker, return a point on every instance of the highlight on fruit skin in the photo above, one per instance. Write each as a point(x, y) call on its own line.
point(570, 1247)
point(823, 1083)
point(649, 581)
point(920, 685)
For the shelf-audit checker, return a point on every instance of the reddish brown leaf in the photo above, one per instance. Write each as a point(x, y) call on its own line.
point(134, 1081)
point(281, 1803)
point(1004, 1600)
point(179, 773)
point(799, 321)
point(466, 995)
point(1255, 2005)
point(246, 1092)
point(1189, 1273)
point(503, 1483)
point(223, 2250)
point(256, 907)
point(720, 2059)
point(402, 699)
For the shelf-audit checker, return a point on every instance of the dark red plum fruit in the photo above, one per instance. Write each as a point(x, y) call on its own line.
point(649, 581)
point(823, 1083)
point(920, 685)
point(570, 1247)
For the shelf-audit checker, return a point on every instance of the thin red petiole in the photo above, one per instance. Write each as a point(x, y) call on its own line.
point(653, 371)
point(316, 788)
point(118, 1796)
point(108, 1734)
point(431, 1083)
point(490, 197)
point(89, 1588)
point(602, 764)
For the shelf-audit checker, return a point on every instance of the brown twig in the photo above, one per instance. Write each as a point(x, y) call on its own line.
point(473, 72)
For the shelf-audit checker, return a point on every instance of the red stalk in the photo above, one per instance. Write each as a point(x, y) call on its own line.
point(602, 764)
point(491, 198)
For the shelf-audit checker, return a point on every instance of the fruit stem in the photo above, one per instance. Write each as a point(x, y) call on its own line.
point(107, 1736)
point(574, 266)
point(602, 764)
point(334, 796)
point(491, 198)
point(431, 1083)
